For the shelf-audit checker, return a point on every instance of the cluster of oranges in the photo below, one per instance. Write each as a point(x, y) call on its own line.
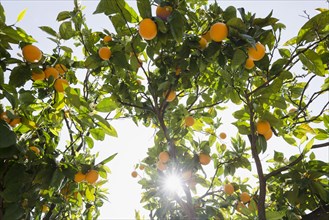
point(105, 52)
point(33, 54)
point(90, 177)
point(264, 128)
point(244, 197)
point(11, 121)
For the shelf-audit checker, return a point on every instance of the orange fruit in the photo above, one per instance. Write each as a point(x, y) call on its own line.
point(35, 149)
point(60, 85)
point(204, 159)
point(228, 189)
point(107, 39)
point(79, 177)
point(104, 53)
point(257, 52)
point(141, 167)
point(61, 68)
point(164, 156)
point(218, 31)
point(45, 209)
point(15, 122)
point(134, 174)
point(178, 71)
point(263, 127)
point(203, 43)
point(171, 96)
point(38, 75)
point(51, 71)
point(240, 206)
point(147, 29)
point(92, 176)
point(222, 135)
point(244, 197)
point(161, 166)
point(268, 134)
point(249, 64)
point(31, 53)
point(4, 117)
point(207, 36)
point(163, 12)
point(189, 121)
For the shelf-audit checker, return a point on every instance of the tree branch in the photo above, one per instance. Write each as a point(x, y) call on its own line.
point(320, 145)
point(278, 171)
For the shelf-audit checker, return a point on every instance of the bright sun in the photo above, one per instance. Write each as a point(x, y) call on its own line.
point(173, 184)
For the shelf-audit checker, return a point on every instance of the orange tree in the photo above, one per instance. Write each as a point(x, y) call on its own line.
point(173, 70)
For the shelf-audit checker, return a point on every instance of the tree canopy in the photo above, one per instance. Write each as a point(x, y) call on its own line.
point(174, 66)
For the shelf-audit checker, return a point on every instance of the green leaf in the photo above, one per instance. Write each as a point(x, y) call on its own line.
point(63, 15)
point(177, 24)
point(236, 23)
point(308, 146)
point(313, 62)
point(314, 27)
point(261, 144)
point(48, 30)
point(13, 211)
point(229, 13)
point(107, 128)
point(66, 31)
point(278, 156)
point(21, 15)
point(106, 105)
point(273, 215)
point(2, 15)
point(110, 7)
point(19, 76)
point(120, 60)
point(89, 141)
point(90, 194)
point(92, 62)
point(289, 139)
point(98, 134)
point(239, 58)
point(320, 190)
point(108, 159)
point(144, 8)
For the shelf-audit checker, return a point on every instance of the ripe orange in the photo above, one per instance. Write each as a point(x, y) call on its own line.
point(244, 197)
point(60, 85)
point(257, 52)
point(134, 174)
point(228, 189)
point(79, 177)
point(222, 135)
point(268, 134)
point(218, 31)
point(249, 64)
point(61, 68)
point(163, 12)
point(92, 176)
point(164, 156)
point(45, 209)
point(203, 43)
point(4, 117)
point(35, 149)
point(240, 206)
point(171, 96)
point(161, 166)
point(178, 71)
point(207, 36)
point(263, 127)
point(189, 121)
point(51, 71)
point(15, 122)
point(141, 167)
point(204, 159)
point(31, 53)
point(104, 53)
point(147, 29)
point(107, 39)
point(38, 75)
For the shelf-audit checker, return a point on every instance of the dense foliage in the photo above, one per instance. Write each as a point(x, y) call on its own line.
point(166, 73)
